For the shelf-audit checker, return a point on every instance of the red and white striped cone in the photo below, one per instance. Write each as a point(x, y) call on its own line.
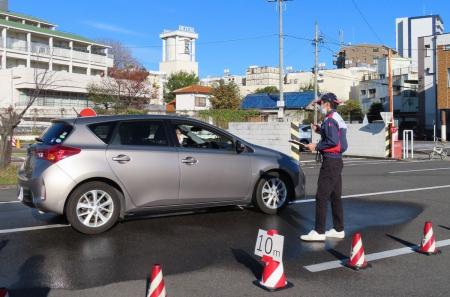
point(428, 245)
point(13, 142)
point(273, 277)
point(157, 288)
point(4, 292)
point(357, 258)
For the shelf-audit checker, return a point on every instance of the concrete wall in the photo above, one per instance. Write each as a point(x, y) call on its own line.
point(273, 135)
point(363, 140)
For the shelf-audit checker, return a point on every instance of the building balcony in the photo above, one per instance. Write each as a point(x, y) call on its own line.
point(40, 48)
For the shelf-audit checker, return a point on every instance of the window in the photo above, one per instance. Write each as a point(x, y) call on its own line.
point(363, 92)
point(56, 133)
point(372, 93)
point(142, 133)
point(200, 101)
point(187, 46)
point(190, 136)
point(103, 131)
point(448, 77)
point(376, 50)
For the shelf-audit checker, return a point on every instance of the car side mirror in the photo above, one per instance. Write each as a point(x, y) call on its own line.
point(240, 147)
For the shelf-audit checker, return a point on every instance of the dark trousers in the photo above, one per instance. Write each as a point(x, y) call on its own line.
point(329, 187)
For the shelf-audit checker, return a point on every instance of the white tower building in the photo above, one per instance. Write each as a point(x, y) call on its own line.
point(178, 51)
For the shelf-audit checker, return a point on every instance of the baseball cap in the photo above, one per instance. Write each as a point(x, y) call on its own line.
point(328, 97)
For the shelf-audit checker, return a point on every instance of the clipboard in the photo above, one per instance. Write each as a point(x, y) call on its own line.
point(297, 142)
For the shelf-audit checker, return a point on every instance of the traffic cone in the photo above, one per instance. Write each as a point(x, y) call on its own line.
point(428, 245)
point(273, 277)
point(357, 259)
point(157, 288)
point(4, 292)
point(13, 142)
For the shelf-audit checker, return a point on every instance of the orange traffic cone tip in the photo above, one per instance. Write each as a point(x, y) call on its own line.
point(428, 245)
point(157, 288)
point(357, 259)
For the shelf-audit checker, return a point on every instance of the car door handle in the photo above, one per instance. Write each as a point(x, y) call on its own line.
point(189, 161)
point(122, 158)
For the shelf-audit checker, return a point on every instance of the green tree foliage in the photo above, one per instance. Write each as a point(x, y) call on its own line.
point(266, 90)
point(374, 112)
point(225, 96)
point(177, 81)
point(221, 117)
point(351, 111)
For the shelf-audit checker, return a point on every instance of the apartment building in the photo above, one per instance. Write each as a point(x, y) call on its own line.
point(410, 29)
point(29, 45)
point(262, 76)
point(360, 55)
point(443, 81)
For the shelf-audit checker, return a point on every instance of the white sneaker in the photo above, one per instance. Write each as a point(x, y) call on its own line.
point(332, 233)
point(313, 236)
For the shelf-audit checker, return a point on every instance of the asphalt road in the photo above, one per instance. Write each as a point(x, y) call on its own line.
point(211, 253)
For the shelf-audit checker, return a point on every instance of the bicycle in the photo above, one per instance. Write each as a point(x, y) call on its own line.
point(438, 150)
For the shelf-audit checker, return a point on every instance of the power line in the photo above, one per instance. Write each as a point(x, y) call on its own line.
point(365, 20)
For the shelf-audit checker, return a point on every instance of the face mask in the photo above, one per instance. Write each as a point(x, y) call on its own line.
point(323, 111)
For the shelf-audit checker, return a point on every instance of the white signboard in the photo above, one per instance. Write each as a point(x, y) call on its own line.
point(269, 245)
point(387, 117)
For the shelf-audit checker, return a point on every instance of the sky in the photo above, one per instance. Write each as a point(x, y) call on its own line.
point(234, 34)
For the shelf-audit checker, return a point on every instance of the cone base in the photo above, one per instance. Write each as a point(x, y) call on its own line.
point(287, 286)
point(356, 267)
point(436, 252)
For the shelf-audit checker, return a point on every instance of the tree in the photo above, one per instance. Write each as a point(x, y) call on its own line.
point(374, 112)
point(351, 111)
point(122, 89)
point(225, 96)
point(177, 81)
point(123, 57)
point(266, 90)
point(11, 117)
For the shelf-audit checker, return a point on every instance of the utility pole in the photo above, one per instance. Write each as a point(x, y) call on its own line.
point(391, 102)
point(280, 104)
point(316, 69)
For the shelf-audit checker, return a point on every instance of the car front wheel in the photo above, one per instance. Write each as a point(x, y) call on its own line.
point(93, 208)
point(271, 193)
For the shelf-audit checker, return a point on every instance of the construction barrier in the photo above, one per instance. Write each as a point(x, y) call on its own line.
point(295, 135)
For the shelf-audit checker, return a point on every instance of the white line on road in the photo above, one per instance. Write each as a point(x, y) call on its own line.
point(371, 257)
point(418, 170)
point(5, 231)
point(380, 193)
point(7, 202)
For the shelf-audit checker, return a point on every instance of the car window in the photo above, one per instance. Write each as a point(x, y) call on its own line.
point(103, 131)
point(57, 133)
point(143, 133)
point(192, 136)
point(306, 129)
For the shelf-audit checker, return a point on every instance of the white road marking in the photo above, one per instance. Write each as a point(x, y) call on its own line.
point(8, 202)
point(418, 170)
point(15, 230)
point(378, 193)
point(371, 257)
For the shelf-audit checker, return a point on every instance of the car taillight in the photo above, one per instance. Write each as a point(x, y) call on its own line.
point(57, 153)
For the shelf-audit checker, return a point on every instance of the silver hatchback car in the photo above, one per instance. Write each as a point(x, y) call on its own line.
point(97, 170)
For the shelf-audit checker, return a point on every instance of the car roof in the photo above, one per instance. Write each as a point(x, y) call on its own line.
point(112, 118)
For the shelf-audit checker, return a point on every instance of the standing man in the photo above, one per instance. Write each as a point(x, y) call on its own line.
point(329, 186)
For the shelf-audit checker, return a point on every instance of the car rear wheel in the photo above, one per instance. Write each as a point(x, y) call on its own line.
point(93, 208)
point(271, 193)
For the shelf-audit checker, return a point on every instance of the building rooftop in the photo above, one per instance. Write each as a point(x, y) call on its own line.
point(24, 16)
point(293, 100)
point(55, 33)
point(194, 89)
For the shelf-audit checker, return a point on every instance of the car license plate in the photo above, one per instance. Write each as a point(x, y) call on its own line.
point(20, 194)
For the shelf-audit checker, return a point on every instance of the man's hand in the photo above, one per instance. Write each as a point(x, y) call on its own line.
point(315, 128)
point(311, 147)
